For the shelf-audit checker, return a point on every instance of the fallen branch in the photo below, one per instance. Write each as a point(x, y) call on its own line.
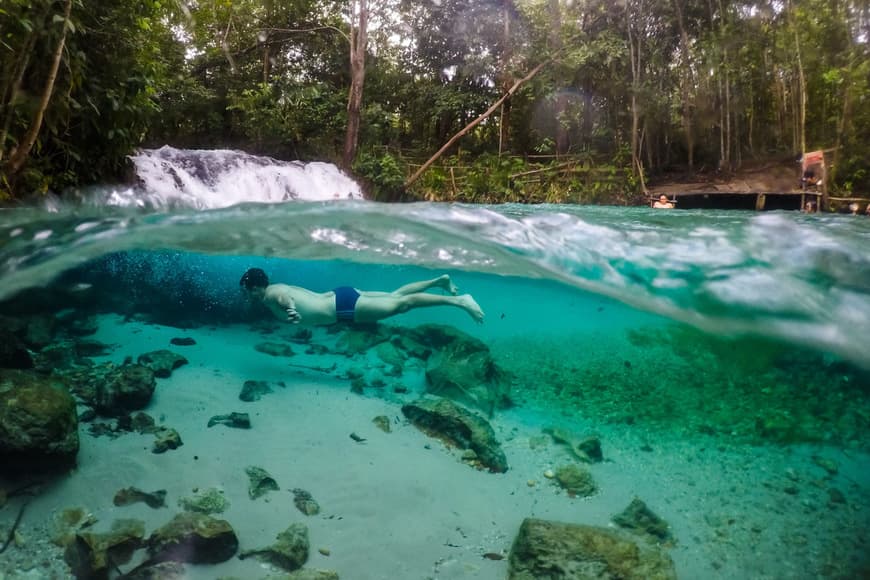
point(477, 121)
point(11, 535)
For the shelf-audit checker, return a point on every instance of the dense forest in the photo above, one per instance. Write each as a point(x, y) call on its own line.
point(403, 92)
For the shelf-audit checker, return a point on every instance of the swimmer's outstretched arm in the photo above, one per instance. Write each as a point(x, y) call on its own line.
point(289, 305)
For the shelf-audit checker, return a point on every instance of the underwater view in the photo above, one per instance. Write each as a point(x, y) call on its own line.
point(512, 391)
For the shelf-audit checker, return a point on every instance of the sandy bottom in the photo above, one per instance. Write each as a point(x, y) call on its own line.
point(401, 506)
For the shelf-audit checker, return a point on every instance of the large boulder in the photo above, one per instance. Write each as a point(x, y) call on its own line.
point(124, 389)
point(195, 538)
point(462, 368)
point(162, 362)
point(546, 549)
point(458, 427)
point(38, 423)
point(93, 556)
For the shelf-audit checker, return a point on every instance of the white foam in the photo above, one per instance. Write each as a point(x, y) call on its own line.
point(208, 179)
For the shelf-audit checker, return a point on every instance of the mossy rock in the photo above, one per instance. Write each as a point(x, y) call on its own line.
point(38, 423)
point(546, 549)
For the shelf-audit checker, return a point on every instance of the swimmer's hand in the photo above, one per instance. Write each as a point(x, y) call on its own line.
point(293, 316)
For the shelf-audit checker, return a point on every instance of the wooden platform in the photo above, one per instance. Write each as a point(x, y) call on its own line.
point(747, 200)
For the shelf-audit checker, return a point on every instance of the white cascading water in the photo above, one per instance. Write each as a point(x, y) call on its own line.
point(208, 179)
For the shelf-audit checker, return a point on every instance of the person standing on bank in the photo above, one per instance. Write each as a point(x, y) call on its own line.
point(346, 304)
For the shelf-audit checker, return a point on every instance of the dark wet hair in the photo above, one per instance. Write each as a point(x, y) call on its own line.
point(254, 278)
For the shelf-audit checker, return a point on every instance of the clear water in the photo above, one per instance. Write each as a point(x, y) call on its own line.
point(721, 357)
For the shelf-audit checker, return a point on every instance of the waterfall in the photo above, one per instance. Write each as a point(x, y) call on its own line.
point(207, 179)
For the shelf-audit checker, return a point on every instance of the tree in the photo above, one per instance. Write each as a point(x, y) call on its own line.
point(359, 14)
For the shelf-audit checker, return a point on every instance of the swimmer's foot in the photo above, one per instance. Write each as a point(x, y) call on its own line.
point(467, 303)
point(447, 284)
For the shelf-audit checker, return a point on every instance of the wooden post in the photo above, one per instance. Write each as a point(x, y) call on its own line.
point(759, 202)
point(453, 182)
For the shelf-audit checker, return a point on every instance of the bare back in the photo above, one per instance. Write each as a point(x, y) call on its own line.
point(314, 308)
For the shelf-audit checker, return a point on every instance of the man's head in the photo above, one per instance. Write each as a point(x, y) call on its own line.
point(253, 279)
point(663, 198)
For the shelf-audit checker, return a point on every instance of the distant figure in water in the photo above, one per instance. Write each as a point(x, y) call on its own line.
point(853, 208)
point(663, 203)
point(810, 207)
point(867, 211)
point(346, 304)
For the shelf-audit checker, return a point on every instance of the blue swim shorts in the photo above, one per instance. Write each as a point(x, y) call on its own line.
point(345, 303)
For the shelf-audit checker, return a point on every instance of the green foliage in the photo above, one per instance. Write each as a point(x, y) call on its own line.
point(104, 95)
point(383, 173)
point(302, 120)
point(273, 77)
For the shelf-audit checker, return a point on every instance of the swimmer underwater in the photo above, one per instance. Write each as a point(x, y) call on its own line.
point(346, 304)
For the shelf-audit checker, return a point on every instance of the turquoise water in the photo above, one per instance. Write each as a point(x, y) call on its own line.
point(737, 331)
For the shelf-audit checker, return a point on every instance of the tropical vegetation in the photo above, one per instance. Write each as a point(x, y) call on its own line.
point(476, 100)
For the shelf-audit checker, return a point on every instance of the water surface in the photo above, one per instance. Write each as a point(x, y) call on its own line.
point(675, 331)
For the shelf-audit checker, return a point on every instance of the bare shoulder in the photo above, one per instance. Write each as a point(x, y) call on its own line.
point(286, 291)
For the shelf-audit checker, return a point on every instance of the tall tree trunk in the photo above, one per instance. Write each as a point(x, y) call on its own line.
point(10, 92)
point(802, 88)
point(634, 52)
point(506, 79)
point(358, 42)
point(686, 85)
point(21, 153)
point(560, 104)
point(726, 71)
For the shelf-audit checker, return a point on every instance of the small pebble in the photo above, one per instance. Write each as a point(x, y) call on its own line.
point(531, 483)
point(324, 551)
point(549, 474)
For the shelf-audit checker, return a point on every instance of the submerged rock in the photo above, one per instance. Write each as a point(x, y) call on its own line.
point(195, 538)
point(253, 390)
point(58, 357)
point(165, 440)
point(82, 325)
point(546, 549)
point(235, 420)
point(638, 518)
point(66, 523)
point(209, 501)
point(124, 389)
point(131, 495)
point(38, 423)
point(576, 480)
point(275, 349)
point(586, 449)
point(260, 482)
point(382, 422)
point(391, 355)
point(93, 555)
point(290, 552)
point(458, 428)
point(305, 503)
point(462, 368)
point(162, 362)
point(359, 339)
point(183, 341)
